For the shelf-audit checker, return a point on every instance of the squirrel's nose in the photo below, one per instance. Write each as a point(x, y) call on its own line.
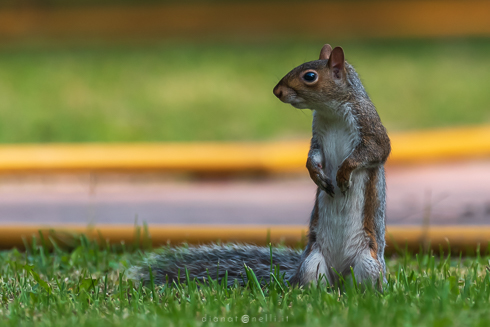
point(278, 90)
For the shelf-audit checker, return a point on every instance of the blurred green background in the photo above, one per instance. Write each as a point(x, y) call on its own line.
point(206, 90)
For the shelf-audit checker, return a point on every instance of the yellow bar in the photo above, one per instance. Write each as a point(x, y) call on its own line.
point(269, 157)
point(200, 157)
point(442, 144)
point(12, 235)
point(412, 237)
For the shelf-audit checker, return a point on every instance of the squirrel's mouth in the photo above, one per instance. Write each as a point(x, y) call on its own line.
point(299, 104)
point(296, 102)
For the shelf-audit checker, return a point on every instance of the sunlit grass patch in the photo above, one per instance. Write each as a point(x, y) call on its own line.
point(89, 285)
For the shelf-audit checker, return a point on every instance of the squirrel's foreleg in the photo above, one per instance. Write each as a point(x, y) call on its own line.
point(372, 151)
point(315, 164)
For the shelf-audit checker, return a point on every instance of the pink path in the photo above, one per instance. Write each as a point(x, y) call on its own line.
point(456, 193)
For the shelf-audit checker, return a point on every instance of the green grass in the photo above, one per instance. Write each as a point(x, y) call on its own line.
point(178, 91)
point(88, 286)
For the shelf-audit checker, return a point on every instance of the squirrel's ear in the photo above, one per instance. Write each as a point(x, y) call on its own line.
point(336, 62)
point(325, 52)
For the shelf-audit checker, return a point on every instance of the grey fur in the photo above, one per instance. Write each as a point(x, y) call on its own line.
point(211, 261)
point(355, 83)
point(380, 220)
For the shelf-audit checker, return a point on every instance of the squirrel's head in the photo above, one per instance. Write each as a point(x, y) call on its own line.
point(316, 84)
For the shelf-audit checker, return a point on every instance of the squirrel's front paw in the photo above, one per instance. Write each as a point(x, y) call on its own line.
point(343, 180)
point(325, 184)
point(320, 178)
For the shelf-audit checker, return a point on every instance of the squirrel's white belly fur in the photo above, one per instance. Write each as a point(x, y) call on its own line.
point(340, 222)
point(340, 225)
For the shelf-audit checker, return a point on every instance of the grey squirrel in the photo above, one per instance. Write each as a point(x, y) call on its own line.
point(347, 226)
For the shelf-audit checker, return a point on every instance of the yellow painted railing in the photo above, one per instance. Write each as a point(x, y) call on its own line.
point(398, 237)
point(270, 157)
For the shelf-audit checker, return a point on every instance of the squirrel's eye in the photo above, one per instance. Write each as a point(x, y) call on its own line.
point(310, 77)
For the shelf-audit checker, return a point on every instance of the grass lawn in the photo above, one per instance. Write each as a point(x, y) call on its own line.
point(88, 286)
point(185, 92)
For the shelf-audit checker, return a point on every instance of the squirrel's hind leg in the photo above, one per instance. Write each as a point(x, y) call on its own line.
point(368, 269)
point(312, 268)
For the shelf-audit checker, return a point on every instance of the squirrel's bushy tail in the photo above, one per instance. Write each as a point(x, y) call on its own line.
point(212, 261)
